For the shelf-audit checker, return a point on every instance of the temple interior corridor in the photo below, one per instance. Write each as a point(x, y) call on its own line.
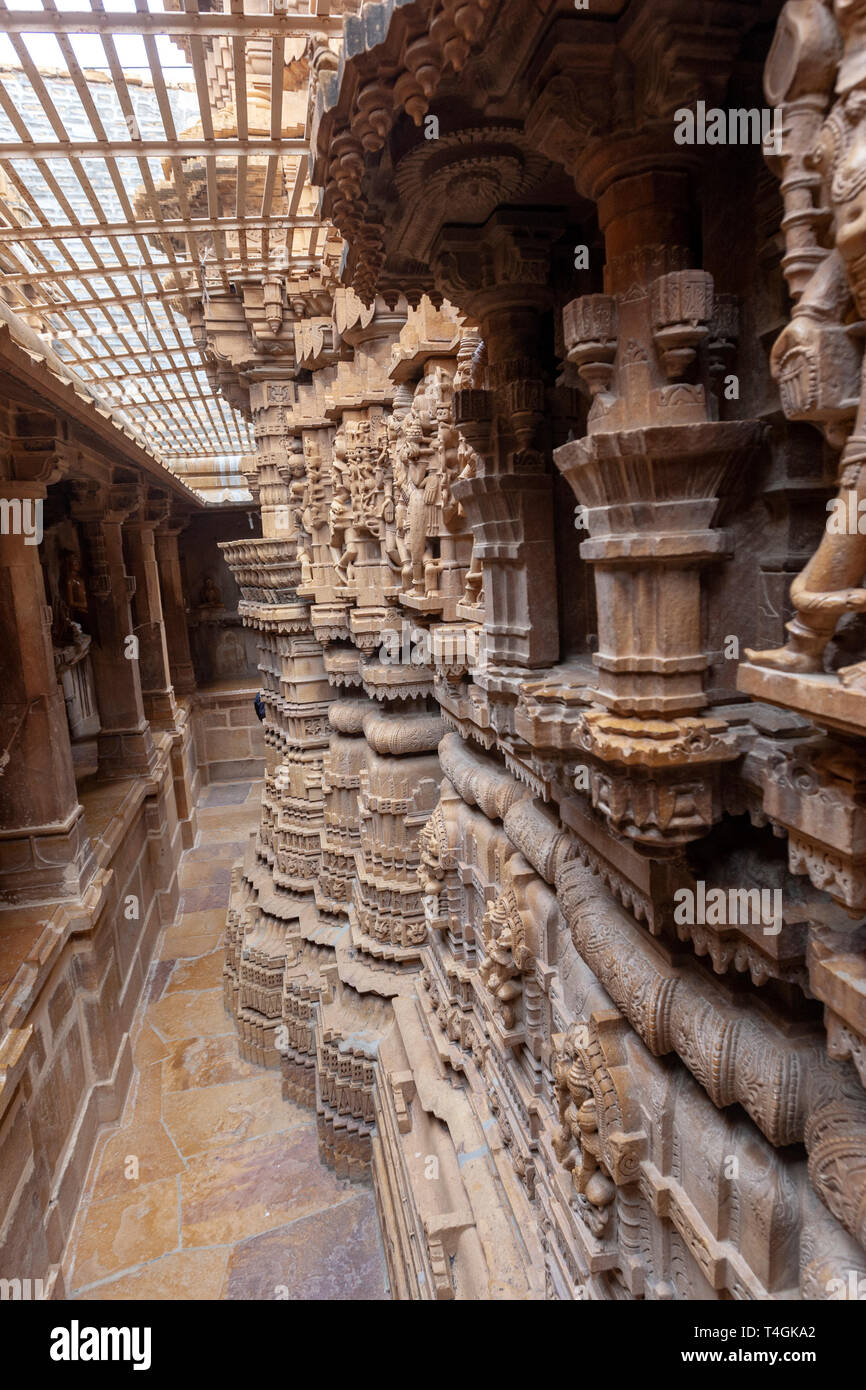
point(210, 1186)
point(432, 658)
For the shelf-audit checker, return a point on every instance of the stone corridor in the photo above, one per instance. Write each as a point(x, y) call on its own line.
point(432, 656)
point(211, 1186)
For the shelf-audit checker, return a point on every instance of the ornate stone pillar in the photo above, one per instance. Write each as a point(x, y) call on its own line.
point(284, 864)
point(296, 691)
point(301, 701)
point(174, 608)
point(649, 475)
point(341, 780)
point(125, 742)
point(358, 399)
point(399, 788)
point(499, 276)
point(156, 685)
point(44, 848)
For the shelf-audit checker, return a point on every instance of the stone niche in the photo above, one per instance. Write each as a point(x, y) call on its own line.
point(222, 648)
point(64, 570)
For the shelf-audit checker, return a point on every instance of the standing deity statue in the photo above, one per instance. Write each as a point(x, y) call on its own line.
point(425, 464)
point(816, 72)
point(418, 463)
point(73, 588)
point(344, 547)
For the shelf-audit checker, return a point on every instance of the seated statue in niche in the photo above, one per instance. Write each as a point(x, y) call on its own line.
point(210, 595)
point(230, 654)
point(819, 50)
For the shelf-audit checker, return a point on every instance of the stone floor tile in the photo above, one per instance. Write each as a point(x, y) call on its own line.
point(158, 979)
point(150, 1144)
point(190, 1013)
point(199, 923)
point(334, 1255)
point(122, 1232)
point(203, 873)
point(223, 1161)
point(207, 852)
point(199, 1120)
point(146, 1095)
point(204, 972)
point(186, 1274)
point(179, 943)
point(243, 1189)
point(148, 1047)
point(203, 896)
point(222, 823)
point(227, 794)
point(198, 1062)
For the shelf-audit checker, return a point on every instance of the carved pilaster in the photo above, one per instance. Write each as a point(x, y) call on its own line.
point(125, 742)
point(649, 476)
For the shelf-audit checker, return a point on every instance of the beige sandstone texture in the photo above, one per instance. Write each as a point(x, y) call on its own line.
point(552, 923)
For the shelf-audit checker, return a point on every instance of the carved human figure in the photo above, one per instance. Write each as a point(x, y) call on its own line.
point(394, 514)
point(416, 511)
point(73, 587)
point(306, 568)
point(596, 1203)
point(297, 493)
point(413, 469)
point(500, 972)
point(314, 512)
point(344, 544)
point(809, 357)
point(431, 871)
point(572, 1091)
point(453, 514)
point(210, 595)
point(64, 631)
point(593, 1191)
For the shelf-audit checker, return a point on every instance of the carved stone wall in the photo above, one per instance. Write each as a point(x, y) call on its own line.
point(555, 911)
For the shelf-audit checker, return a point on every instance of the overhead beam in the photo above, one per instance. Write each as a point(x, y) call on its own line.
point(251, 26)
point(176, 227)
point(62, 273)
point(21, 370)
point(148, 149)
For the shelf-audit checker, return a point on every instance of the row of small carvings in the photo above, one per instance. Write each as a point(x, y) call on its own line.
point(788, 1085)
point(614, 1109)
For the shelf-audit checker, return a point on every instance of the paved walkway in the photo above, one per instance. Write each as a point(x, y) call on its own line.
point(211, 1185)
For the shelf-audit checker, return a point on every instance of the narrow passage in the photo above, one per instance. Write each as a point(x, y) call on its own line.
point(211, 1187)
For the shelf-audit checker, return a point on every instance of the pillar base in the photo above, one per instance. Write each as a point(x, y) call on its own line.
point(46, 863)
point(160, 708)
point(125, 753)
point(183, 680)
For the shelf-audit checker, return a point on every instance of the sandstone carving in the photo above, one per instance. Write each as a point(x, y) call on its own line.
point(554, 913)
